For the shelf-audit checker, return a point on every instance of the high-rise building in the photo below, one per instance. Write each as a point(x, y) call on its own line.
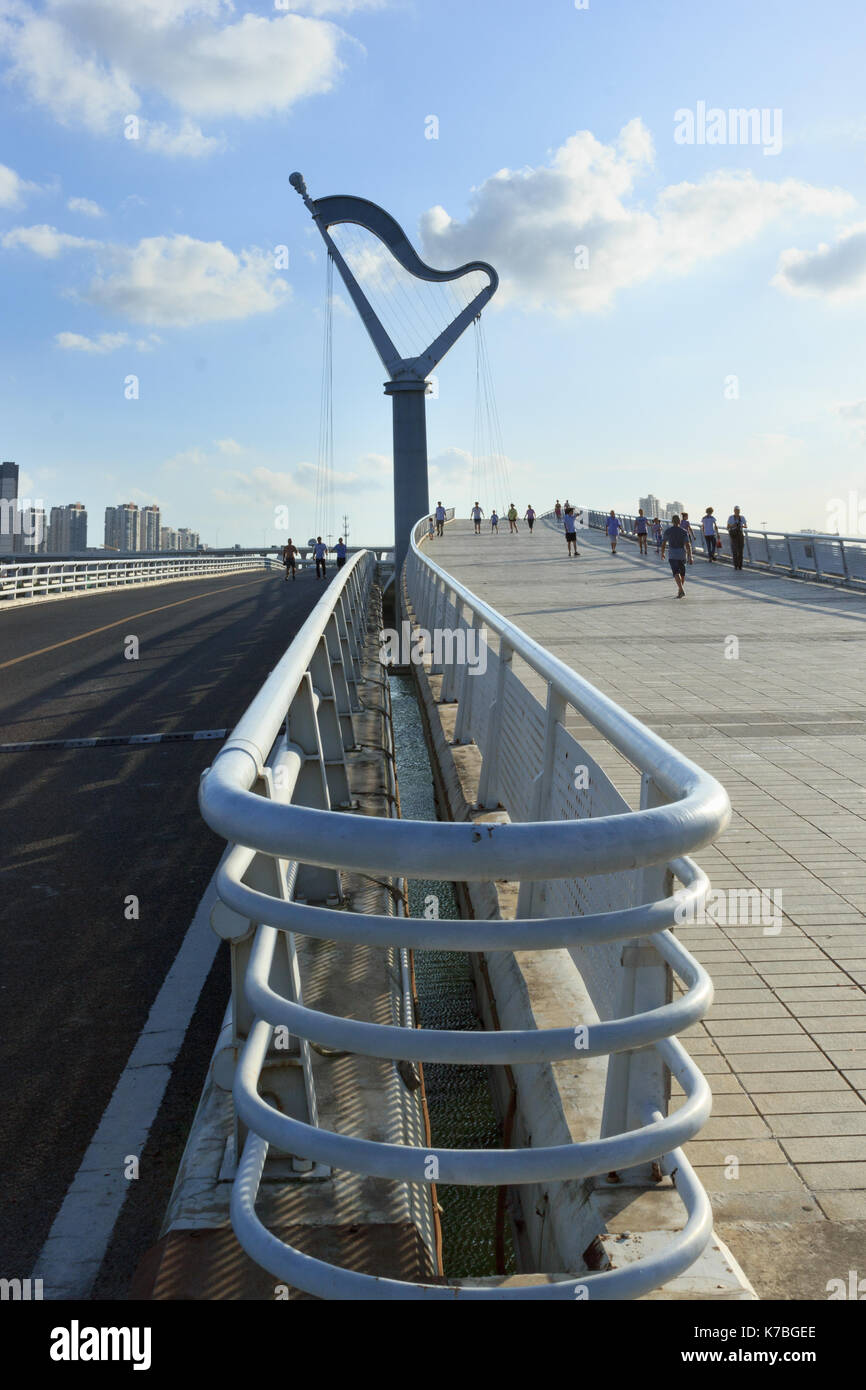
point(30, 531)
point(186, 539)
point(167, 538)
point(150, 528)
point(9, 520)
point(123, 527)
point(67, 533)
point(651, 505)
point(674, 509)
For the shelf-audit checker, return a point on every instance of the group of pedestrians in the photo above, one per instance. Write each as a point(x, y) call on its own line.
point(677, 541)
point(320, 551)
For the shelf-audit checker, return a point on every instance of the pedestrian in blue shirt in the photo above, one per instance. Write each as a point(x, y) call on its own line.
point(613, 526)
point(340, 552)
point(641, 526)
point(320, 551)
point(677, 542)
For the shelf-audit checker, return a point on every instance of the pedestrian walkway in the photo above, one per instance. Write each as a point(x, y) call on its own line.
point(762, 682)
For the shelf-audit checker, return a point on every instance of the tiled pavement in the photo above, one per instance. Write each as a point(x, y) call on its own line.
point(779, 716)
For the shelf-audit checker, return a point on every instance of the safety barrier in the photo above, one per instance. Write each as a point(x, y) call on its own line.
point(40, 579)
point(596, 878)
point(802, 554)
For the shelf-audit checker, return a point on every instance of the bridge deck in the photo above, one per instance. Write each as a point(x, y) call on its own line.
point(782, 724)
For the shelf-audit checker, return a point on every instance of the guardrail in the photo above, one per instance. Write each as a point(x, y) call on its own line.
point(596, 877)
point(802, 555)
point(41, 579)
point(31, 579)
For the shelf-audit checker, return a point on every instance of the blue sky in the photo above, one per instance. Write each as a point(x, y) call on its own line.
point(710, 350)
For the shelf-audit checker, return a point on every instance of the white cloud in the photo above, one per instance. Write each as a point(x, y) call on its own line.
point(334, 7)
point(85, 206)
point(104, 342)
point(532, 222)
point(179, 280)
point(836, 272)
point(229, 446)
point(13, 188)
point(174, 280)
point(187, 140)
point(91, 63)
point(44, 241)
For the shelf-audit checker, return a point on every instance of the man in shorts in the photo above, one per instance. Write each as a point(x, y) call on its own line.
point(476, 514)
point(676, 542)
point(613, 526)
point(289, 553)
point(570, 525)
point(641, 527)
point(494, 523)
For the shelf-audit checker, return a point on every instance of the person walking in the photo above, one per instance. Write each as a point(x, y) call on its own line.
point(440, 519)
point(320, 551)
point(340, 552)
point(710, 532)
point(676, 541)
point(737, 533)
point(657, 534)
point(570, 531)
point(529, 518)
point(512, 520)
point(289, 553)
point(613, 526)
point(641, 526)
point(476, 514)
point(557, 511)
point(494, 523)
point(431, 528)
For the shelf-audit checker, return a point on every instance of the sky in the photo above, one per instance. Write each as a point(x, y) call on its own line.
point(682, 295)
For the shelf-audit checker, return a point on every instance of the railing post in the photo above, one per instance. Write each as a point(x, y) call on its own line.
point(488, 787)
point(638, 1081)
point(463, 726)
point(532, 895)
point(449, 670)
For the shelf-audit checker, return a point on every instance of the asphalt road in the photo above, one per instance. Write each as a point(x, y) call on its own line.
point(82, 829)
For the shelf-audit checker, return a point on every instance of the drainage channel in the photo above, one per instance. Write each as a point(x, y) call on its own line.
point(459, 1100)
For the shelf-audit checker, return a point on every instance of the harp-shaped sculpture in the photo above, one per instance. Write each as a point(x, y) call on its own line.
point(407, 383)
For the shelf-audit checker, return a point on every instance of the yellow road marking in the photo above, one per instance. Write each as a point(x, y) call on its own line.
point(130, 619)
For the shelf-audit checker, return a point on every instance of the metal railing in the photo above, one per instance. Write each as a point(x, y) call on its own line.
point(31, 579)
point(596, 877)
point(40, 579)
point(800, 554)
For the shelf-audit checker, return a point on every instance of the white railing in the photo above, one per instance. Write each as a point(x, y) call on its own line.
point(596, 877)
point(803, 555)
point(30, 579)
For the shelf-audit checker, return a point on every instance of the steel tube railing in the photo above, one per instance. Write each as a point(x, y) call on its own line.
point(538, 851)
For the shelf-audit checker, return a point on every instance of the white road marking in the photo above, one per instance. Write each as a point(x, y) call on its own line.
point(72, 1255)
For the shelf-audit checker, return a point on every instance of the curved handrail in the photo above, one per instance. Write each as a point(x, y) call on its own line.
point(697, 812)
